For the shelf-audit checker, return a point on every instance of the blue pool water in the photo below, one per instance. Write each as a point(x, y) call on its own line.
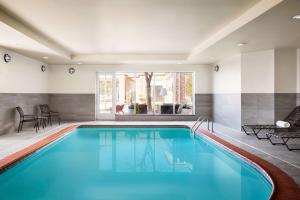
point(133, 164)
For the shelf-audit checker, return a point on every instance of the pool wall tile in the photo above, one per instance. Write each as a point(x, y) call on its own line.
point(267, 108)
point(258, 108)
point(9, 118)
point(284, 104)
point(74, 107)
point(227, 110)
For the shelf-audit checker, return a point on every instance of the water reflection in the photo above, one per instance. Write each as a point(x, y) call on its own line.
point(144, 151)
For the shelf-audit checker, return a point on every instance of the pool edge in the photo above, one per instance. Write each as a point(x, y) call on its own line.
point(284, 187)
point(13, 158)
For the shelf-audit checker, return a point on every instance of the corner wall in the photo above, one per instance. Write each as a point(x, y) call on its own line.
point(227, 93)
point(285, 82)
point(22, 83)
point(258, 101)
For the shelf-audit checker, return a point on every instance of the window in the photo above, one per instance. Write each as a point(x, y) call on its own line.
point(105, 93)
point(146, 93)
point(125, 93)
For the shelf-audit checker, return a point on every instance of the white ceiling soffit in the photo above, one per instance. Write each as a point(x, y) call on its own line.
point(272, 30)
point(20, 26)
point(12, 39)
point(254, 12)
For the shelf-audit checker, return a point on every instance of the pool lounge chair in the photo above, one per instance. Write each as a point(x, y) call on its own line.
point(293, 118)
point(284, 136)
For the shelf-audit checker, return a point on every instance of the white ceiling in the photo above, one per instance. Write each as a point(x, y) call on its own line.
point(125, 31)
point(127, 26)
point(274, 29)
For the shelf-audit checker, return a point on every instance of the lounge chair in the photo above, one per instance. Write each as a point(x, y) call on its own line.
point(284, 136)
point(47, 112)
point(26, 118)
point(293, 118)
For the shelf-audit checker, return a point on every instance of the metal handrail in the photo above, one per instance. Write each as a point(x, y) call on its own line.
point(199, 124)
point(196, 122)
point(201, 119)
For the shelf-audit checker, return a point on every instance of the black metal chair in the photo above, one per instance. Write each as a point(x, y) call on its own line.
point(47, 112)
point(26, 118)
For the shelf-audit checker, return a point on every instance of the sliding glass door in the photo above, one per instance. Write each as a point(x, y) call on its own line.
point(105, 96)
point(144, 93)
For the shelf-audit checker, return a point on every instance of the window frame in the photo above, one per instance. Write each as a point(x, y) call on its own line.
point(114, 79)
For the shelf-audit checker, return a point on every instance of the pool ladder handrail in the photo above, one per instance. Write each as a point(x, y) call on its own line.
point(200, 121)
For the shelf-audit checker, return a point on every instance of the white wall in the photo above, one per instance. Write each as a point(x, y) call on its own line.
point(22, 75)
point(84, 79)
point(286, 70)
point(228, 78)
point(258, 72)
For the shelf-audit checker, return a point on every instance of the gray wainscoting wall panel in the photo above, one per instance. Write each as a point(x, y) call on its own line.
point(203, 107)
point(258, 108)
point(227, 110)
point(284, 104)
point(74, 107)
point(9, 118)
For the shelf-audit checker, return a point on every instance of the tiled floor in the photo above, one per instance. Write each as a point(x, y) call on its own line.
point(289, 161)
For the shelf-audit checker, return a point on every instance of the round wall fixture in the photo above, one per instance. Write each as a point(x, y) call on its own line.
point(217, 68)
point(7, 58)
point(71, 70)
point(43, 68)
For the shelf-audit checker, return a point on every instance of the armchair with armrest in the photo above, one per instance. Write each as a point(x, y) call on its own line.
point(26, 118)
point(50, 114)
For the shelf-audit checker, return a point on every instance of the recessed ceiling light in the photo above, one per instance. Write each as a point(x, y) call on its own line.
point(45, 57)
point(296, 17)
point(241, 44)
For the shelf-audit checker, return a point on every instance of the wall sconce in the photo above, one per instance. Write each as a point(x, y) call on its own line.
point(7, 58)
point(71, 70)
point(43, 68)
point(217, 68)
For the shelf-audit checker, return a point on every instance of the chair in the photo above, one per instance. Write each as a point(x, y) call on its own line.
point(141, 109)
point(166, 109)
point(293, 118)
point(119, 108)
point(284, 136)
point(26, 118)
point(47, 112)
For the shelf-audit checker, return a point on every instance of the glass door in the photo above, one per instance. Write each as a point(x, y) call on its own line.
point(105, 96)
